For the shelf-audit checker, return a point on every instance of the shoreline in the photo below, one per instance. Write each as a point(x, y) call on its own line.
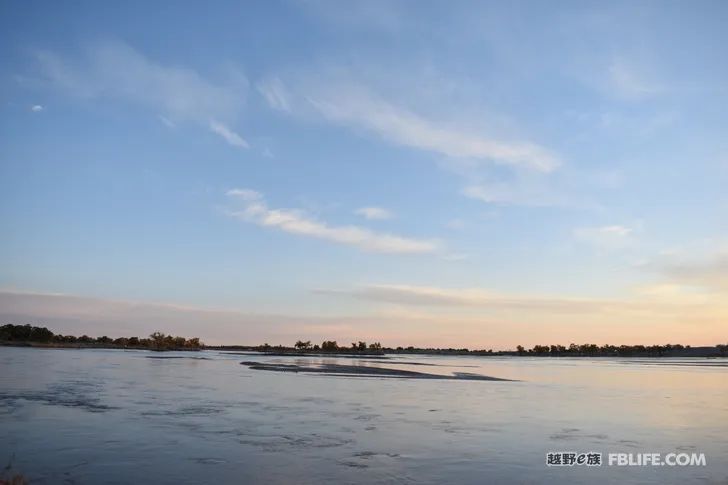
point(90, 345)
point(694, 352)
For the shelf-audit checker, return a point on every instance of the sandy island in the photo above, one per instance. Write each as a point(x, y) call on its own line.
point(365, 371)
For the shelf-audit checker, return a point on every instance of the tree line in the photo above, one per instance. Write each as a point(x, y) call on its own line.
point(333, 346)
point(159, 341)
point(593, 350)
point(156, 341)
point(573, 350)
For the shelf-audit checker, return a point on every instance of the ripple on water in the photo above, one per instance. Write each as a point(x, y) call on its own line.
point(279, 443)
point(187, 411)
point(73, 394)
point(568, 434)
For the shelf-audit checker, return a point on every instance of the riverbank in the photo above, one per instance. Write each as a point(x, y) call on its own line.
point(689, 352)
point(92, 345)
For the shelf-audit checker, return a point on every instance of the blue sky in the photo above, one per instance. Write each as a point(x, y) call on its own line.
point(423, 173)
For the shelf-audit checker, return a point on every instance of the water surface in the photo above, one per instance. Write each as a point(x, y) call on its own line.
point(112, 416)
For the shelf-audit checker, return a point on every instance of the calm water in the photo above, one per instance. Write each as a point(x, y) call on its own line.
point(109, 416)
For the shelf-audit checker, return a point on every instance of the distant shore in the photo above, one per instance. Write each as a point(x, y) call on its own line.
point(91, 345)
point(41, 337)
point(31, 336)
point(384, 352)
point(705, 352)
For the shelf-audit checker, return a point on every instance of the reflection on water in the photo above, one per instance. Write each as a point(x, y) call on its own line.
point(108, 416)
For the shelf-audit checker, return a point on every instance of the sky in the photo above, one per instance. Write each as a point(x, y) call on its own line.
point(437, 174)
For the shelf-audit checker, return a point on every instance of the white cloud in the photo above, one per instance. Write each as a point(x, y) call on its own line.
point(456, 224)
point(362, 109)
point(470, 145)
point(275, 94)
point(167, 122)
point(115, 71)
point(227, 134)
point(674, 293)
point(294, 221)
point(708, 272)
point(605, 237)
point(628, 80)
point(36, 108)
point(377, 213)
point(519, 189)
point(244, 194)
point(479, 300)
point(453, 257)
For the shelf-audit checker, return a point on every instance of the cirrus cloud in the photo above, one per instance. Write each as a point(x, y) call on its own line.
point(295, 221)
point(374, 213)
point(115, 70)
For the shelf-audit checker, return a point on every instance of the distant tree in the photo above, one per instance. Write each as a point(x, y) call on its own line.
point(375, 346)
point(158, 340)
point(361, 346)
point(6, 332)
point(25, 333)
point(329, 345)
point(541, 349)
point(133, 341)
point(520, 349)
point(104, 340)
point(66, 339)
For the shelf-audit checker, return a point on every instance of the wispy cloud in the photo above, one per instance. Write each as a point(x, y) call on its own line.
point(361, 108)
point(515, 192)
point(709, 272)
point(471, 145)
point(605, 237)
point(459, 297)
point(629, 80)
point(114, 70)
point(456, 224)
point(480, 300)
point(36, 108)
point(374, 213)
point(167, 122)
point(275, 93)
point(453, 257)
point(295, 221)
point(227, 134)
